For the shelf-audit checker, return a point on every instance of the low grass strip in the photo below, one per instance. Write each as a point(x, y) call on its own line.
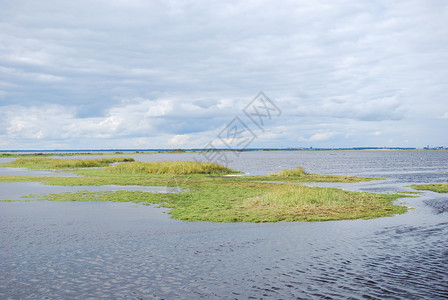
point(439, 188)
point(53, 163)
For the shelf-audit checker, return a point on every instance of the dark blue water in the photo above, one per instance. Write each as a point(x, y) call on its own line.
point(120, 250)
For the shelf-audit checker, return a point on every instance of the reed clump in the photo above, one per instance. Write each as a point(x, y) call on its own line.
point(170, 167)
point(297, 172)
point(53, 163)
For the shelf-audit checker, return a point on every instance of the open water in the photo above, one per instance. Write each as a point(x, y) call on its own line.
point(60, 250)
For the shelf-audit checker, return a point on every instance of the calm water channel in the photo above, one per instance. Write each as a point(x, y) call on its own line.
point(57, 250)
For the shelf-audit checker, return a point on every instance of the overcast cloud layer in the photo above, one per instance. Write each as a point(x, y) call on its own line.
point(172, 74)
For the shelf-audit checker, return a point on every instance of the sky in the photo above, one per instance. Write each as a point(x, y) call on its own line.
point(136, 74)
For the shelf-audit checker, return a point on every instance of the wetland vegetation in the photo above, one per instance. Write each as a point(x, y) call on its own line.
point(207, 194)
point(439, 188)
point(170, 167)
point(53, 163)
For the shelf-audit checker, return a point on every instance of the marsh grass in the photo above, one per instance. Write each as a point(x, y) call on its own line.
point(111, 196)
point(170, 167)
point(307, 178)
point(303, 196)
point(297, 172)
point(53, 163)
point(300, 175)
point(439, 188)
point(408, 192)
point(304, 203)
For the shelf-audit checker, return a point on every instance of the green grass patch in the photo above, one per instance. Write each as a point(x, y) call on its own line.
point(94, 180)
point(300, 175)
point(407, 192)
point(53, 163)
point(439, 188)
point(307, 178)
point(304, 203)
point(112, 196)
point(170, 167)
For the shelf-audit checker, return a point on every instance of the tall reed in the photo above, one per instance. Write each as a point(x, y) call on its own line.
point(297, 172)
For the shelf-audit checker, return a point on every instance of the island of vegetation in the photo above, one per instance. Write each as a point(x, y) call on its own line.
point(212, 192)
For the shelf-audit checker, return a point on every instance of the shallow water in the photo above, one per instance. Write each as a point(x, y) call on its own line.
point(25, 172)
point(23, 190)
point(124, 250)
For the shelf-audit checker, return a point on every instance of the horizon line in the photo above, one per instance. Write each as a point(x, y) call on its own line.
point(226, 149)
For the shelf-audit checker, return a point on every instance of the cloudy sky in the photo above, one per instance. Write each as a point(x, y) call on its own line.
point(173, 74)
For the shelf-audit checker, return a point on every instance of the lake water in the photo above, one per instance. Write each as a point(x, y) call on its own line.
point(86, 250)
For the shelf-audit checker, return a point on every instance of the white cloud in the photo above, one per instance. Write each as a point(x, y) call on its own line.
point(180, 139)
point(34, 122)
point(322, 136)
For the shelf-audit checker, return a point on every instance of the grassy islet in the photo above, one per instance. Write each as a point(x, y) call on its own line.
point(207, 197)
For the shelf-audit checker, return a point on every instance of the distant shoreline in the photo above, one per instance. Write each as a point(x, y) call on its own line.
point(198, 150)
